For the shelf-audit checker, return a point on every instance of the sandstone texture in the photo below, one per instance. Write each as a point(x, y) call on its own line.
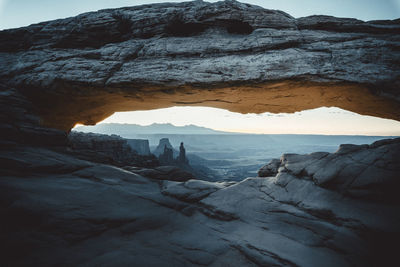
point(226, 54)
point(366, 171)
point(90, 200)
point(57, 210)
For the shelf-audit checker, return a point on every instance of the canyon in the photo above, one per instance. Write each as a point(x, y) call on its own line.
point(325, 209)
point(82, 206)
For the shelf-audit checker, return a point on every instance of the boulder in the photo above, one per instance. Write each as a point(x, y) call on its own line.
point(359, 171)
point(271, 169)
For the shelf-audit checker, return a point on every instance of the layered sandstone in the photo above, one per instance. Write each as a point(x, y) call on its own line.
point(226, 54)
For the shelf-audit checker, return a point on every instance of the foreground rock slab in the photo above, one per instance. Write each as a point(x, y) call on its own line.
point(91, 214)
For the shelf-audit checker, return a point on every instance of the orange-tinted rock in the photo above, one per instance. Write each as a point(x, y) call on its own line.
point(228, 55)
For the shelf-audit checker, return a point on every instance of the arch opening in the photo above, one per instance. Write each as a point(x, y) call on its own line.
point(224, 145)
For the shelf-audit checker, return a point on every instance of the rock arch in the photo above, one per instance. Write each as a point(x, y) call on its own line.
point(228, 55)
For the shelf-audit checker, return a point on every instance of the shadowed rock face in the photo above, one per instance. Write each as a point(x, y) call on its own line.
point(227, 54)
point(59, 210)
point(106, 149)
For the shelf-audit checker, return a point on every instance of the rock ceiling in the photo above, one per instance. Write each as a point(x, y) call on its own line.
point(228, 55)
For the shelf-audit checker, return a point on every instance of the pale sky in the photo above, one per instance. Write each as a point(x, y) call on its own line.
point(333, 121)
point(18, 13)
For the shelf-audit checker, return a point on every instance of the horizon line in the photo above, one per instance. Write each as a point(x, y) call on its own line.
point(241, 133)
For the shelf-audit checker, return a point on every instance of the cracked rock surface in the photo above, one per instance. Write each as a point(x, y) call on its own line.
point(57, 210)
point(227, 54)
point(366, 171)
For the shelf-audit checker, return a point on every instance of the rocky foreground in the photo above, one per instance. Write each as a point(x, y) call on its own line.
point(86, 207)
point(338, 209)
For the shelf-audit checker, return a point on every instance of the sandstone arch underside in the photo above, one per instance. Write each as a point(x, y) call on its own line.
point(229, 55)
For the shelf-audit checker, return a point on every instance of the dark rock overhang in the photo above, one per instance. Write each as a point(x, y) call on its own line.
point(226, 54)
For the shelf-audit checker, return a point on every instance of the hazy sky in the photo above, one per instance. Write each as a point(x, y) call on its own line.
point(317, 121)
point(17, 13)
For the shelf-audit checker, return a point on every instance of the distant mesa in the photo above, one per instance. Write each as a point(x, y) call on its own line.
point(111, 149)
point(132, 155)
point(167, 157)
point(166, 154)
point(141, 146)
point(163, 143)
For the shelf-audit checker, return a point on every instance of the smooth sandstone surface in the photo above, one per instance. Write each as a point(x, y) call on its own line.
point(57, 210)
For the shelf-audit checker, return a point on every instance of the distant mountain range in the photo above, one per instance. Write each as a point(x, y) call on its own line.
point(127, 130)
